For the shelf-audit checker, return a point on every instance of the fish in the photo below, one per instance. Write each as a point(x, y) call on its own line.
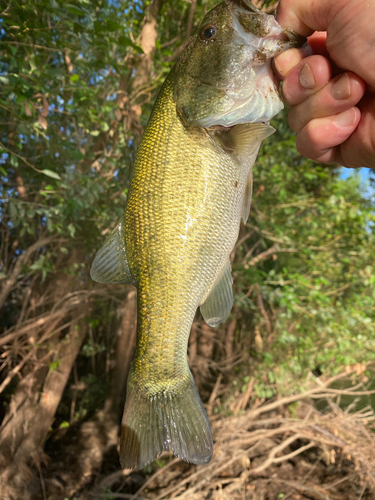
point(191, 184)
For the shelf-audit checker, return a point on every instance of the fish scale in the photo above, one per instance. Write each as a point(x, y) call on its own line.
point(191, 185)
point(178, 265)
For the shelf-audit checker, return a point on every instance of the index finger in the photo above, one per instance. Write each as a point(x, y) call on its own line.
point(285, 61)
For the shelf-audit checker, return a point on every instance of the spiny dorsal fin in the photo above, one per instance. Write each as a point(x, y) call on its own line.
point(110, 264)
point(244, 139)
point(218, 304)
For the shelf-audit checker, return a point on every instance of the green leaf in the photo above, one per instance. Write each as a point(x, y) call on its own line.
point(104, 126)
point(64, 425)
point(77, 155)
point(49, 224)
point(74, 9)
point(14, 161)
point(113, 25)
point(54, 365)
point(74, 78)
point(125, 41)
point(98, 27)
point(32, 62)
point(50, 173)
point(72, 230)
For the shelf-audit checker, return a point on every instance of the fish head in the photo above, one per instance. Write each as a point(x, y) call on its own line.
point(224, 76)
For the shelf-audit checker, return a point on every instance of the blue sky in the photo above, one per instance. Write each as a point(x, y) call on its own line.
point(364, 174)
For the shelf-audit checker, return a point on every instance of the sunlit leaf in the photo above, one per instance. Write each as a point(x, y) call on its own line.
point(50, 173)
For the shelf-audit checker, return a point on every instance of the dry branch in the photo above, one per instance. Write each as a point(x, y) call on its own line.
point(272, 442)
point(22, 259)
point(269, 253)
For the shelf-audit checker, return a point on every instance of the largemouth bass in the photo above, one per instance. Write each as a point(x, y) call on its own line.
point(191, 185)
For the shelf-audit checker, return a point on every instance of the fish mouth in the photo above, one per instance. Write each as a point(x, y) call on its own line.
point(294, 40)
point(252, 24)
point(275, 44)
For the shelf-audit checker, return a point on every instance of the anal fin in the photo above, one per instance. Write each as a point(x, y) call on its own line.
point(111, 264)
point(218, 304)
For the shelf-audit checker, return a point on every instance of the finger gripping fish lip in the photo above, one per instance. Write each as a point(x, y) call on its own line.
point(294, 38)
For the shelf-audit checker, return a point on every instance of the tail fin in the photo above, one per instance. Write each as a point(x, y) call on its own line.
point(166, 420)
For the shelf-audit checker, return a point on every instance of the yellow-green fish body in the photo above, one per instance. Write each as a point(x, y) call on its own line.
point(190, 187)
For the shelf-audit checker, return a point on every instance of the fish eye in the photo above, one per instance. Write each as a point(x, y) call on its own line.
point(209, 32)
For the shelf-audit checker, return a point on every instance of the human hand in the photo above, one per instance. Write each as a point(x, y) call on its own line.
point(330, 93)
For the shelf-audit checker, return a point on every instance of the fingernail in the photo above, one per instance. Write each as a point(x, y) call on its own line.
point(341, 88)
point(306, 77)
point(346, 118)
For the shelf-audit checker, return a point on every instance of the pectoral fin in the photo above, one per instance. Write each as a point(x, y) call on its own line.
point(245, 139)
point(110, 264)
point(217, 306)
point(248, 194)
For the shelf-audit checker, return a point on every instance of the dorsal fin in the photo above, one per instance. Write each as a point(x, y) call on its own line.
point(110, 264)
point(218, 304)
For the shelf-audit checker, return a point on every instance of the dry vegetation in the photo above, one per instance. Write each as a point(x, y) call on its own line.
point(266, 453)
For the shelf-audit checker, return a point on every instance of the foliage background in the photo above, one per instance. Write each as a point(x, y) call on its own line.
point(77, 83)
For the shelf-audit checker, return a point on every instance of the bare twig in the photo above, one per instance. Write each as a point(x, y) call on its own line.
point(263, 309)
point(188, 31)
point(246, 396)
point(231, 330)
point(22, 259)
point(150, 479)
point(213, 395)
point(272, 459)
point(269, 253)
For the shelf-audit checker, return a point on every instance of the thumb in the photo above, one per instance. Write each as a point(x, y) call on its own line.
point(350, 30)
point(306, 16)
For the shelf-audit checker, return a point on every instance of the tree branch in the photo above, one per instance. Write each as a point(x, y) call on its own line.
point(8, 285)
point(269, 253)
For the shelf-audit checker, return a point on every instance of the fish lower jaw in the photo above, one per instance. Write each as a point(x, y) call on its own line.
point(259, 106)
point(264, 104)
